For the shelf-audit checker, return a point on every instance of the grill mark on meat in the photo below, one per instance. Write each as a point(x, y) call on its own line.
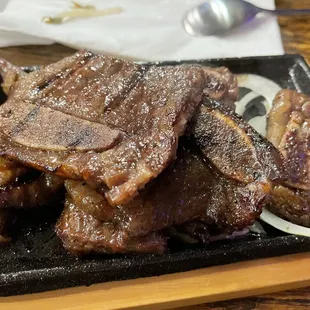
point(64, 74)
point(99, 88)
point(150, 110)
point(76, 142)
point(233, 146)
point(20, 126)
point(193, 187)
point(49, 129)
point(190, 188)
point(47, 83)
point(85, 134)
point(112, 104)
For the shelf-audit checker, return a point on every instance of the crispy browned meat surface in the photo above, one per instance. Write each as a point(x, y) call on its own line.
point(36, 193)
point(112, 127)
point(291, 204)
point(233, 146)
point(136, 115)
point(10, 74)
point(221, 85)
point(289, 131)
point(81, 234)
point(186, 190)
point(31, 127)
point(191, 188)
point(90, 201)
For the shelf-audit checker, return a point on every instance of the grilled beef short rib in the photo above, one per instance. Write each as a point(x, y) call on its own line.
point(111, 128)
point(191, 188)
point(83, 234)
point(114, 123)
point(289, 131)
point(233, 146)
point(188, 189)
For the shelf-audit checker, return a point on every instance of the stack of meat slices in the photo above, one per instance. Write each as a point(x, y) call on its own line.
point(110, 131)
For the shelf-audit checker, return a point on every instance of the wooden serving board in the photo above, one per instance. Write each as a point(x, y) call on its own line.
point(176, 290)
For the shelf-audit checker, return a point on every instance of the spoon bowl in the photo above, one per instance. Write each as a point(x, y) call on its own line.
point(215, 17)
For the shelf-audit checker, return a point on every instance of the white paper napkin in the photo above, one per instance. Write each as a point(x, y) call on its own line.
point(145, 30)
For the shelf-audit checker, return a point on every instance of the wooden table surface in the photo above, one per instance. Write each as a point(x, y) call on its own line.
point(296, 39)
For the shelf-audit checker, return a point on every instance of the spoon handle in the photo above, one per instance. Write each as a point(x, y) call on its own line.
point(287, 12)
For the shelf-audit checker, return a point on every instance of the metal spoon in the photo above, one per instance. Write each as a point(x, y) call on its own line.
point(216, 17)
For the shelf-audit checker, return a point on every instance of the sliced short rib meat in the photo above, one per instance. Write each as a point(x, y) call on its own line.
point(233, 146)
point(191, 188)
point(188, 189)
point(82, 234)
point(219, 201)
point(289, 130)
point(111, 129)
point(106, 121)
point(194, 189)
point(291, 204)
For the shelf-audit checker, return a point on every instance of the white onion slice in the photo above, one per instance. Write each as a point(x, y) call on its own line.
point(284, 225)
